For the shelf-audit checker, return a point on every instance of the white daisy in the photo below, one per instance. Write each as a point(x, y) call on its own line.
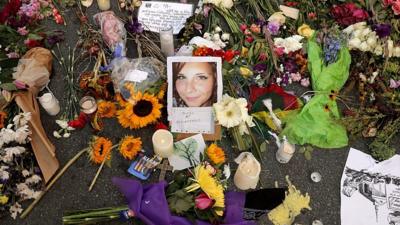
point(22, 119)
point(34, 179)
point(15, 209)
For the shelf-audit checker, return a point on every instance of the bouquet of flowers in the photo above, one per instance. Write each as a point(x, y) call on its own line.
point(19, 177)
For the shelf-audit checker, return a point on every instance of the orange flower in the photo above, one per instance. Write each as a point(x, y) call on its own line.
point(3, 116)
point(100, 148)
point(130, 146)
point(255, 28)
point(106, 109)
point(216, 154)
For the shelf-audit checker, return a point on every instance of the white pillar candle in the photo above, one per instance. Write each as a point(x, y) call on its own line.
point(248, 172)
point(285, 151)
point(167, 41)
point(163, 143)
point(104, 4)
point(88, 104)
point(50, 104)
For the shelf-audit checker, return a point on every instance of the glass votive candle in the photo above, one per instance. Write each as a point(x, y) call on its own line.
point(167, 40)
point(88, 105)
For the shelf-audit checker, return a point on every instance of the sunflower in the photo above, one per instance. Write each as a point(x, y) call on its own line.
point(162, 90)
point(121, 101)
point(144, 112)
point(106, 109)
point(100, 148)
point(216, 154)
point(210, 186)
point(3, 116)
point(130, 146)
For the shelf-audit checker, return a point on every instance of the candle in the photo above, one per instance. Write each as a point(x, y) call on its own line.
point(104, 4)
point(163, 143)
point(167, 40)
point(285, 151)
point(248, 171)
point(88, 104)
point(50, 104)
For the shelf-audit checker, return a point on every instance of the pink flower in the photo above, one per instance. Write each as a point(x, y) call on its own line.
point(12, 55)
point(255, 28)
point(19, 84)
point(202, 201)
point(249, 39)
point(387, 2)
point(243, 27)
point(295, 77)
point(394, 84)
point(396, 7)
point(279, 51)
point(22, 31)
point(305, 82)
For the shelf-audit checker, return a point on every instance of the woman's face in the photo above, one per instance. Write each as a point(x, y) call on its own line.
point(195, 83)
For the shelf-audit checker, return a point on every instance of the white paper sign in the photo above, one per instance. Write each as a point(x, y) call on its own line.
point(370, 191)
point(192, 120)
point(136, 76)
point(157, 15)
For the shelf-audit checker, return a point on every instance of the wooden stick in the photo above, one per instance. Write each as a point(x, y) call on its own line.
point(53, 181)
point(100, 168)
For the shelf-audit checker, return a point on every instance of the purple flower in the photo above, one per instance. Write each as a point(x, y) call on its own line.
point(259, 68)
point(134, 27)
point(290, 66)
point(273, 27)
point(260, 23)
point(382, 30)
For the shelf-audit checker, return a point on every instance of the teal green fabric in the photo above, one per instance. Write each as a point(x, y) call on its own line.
point(317, 123)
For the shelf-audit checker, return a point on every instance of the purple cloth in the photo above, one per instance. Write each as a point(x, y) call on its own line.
point(150, 205)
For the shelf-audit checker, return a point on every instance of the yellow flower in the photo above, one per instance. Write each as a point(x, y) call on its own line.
point(305, 31)
point(210, 186)
point(244, 52)
point(106, 109)
point(130, 146)
point(100, 148)
point(3, 199)
point(245, 72)
point(216, 154)
point(145, 111)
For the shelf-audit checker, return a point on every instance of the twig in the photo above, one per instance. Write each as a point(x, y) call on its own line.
point(100, 168)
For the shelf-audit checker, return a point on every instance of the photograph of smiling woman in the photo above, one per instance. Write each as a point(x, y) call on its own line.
point(195, 84)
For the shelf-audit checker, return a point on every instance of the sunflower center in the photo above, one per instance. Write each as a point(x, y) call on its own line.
point(143, 108)
point(101, 150)
point(129, 146)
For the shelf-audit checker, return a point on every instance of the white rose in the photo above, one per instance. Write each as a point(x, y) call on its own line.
point(357, 34)
point(277, 17)
point(225, 37)
point(227, 4)
point(354, 43)
point(217, 29)
point(364, 46)
point(62, 123)
point(66, 135)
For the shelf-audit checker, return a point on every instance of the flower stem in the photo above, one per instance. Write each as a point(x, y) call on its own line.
point(53, 181)
point(100, 168)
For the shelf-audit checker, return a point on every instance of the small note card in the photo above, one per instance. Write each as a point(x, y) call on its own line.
point(192, 120)
point(157, 15)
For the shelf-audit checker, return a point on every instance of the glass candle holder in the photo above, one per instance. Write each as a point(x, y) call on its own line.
point(167, 40)
point(88, 104)
point(50, 103)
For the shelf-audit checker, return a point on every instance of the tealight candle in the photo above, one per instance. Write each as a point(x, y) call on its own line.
point(248, 172)
point(88, 104)
point(50, 104)
point(163, 143)
point(104, 4)
point(285, 152)
point(167, 40)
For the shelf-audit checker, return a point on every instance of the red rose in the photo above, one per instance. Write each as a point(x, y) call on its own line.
point(30, 43)
point(10, 9)
point(229, 54)
point(161, 125)
point(218, 53)
point(360, 14)
point(202, 201)
point(348, 13)
point(387, 3)
point(396, 7)
point(80, 122)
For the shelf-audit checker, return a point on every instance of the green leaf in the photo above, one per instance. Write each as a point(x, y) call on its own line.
point(307, 155)
point(8, 87)
point(302, 150)
point(180, 202)
point(35, 37)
